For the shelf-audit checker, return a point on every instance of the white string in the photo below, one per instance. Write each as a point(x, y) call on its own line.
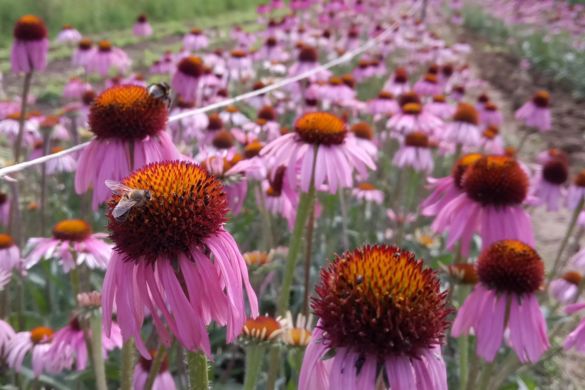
point(348, 56)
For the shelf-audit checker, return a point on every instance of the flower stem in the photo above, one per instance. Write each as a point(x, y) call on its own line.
point(274, 368)
point(523, 140)
point(463, 346)
point(157, 362)
point(268, 238)
point(486, 375)
point(566, 238)
point(74, 276)
point(308, 252)
point(127, 364)
point(96, 350)
point(197, 363)
point(23, 104)
point(294, 248)
point(254, 354)
point(343, 207)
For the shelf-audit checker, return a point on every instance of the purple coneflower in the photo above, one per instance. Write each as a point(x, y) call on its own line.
point(187, 77)
point(566, 288)
point(30, 47)
point(320, 146)
point(68, 34)
point(368, 192)
point(494, 188)
point(536, 112)
point(415, 153)
point(129, 125)
point(83, 52)
point(362, 328)
point(107, 57)
point(37, 342)
point(9, 254)
point(70, 340)
point(548, 186)
point(576, 192)
point(189, 272)
point(163, 379)
point(447, 188)
point(142, 28)
point(73, 244)
point(463, 128)
point(510, 272)
point(195, 40)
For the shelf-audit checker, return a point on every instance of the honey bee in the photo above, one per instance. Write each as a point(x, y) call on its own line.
point(130, 198)
point(163, 92)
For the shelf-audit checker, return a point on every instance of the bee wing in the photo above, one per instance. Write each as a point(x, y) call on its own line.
point(123, 206)
point(172, 99)
point(117, 187)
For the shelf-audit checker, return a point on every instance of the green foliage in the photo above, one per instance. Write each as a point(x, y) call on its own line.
point(548, 53)
point(106, 15)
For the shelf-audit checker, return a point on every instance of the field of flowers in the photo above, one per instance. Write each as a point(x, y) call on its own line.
point(341, 194)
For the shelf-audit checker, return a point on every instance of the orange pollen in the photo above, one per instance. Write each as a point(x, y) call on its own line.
point(466, 113)
point(400, 76)
point(308, 54)
point(49, 122)
point(267, 113)
point(496, 181)
point(412, 108)
point(417, 139)
point(321, 128)
point(348, 80)
point(223, 140)
point(5, 241)
point(30, 28)
point(439, 99)
point(191, 66)
point(573, 277)
point(85, 44)
point(489, 133)
point(464, 273)
point(511, 266)
point(385, 95)
point(232, 109)
point(262, 328)
point(257, 258)
point(104, 46)
point(489, 106)
point(238, 53)
point(365, 186)
point(127, 112)
point(431, 78)
point(580, 179)
point(41, 335)
point(297, 336)
point(363, 130)
point(380, 300)
point(15, 116)
point(335, 80)
point(72, 230)
point(56, 149)
point(483, 98)
point(185, 206)
point(214, 122)
point(461, 166)
point(541, 99)
point(253, 149)
point(408, 97)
